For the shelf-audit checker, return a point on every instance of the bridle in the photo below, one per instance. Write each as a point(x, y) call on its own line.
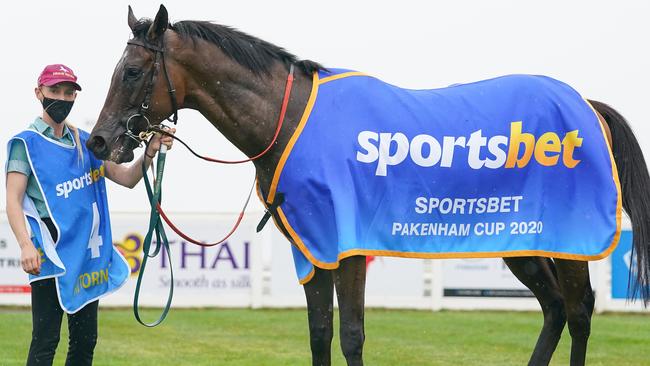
point(155, 224)
point(143, 136)
point(159, 58)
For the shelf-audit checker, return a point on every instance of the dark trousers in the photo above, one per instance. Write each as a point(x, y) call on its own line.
point(46, 320)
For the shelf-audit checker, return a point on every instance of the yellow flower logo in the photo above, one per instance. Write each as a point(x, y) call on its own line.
point(131, 249)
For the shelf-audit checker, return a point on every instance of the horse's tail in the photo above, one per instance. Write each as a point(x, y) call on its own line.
point(635, 187)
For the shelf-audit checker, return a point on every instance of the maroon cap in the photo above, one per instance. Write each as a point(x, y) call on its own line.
point(54, 74)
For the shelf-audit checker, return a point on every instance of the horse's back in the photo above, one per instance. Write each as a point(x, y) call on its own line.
point(498, 100)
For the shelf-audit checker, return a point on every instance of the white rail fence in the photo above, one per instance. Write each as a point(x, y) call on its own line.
point(256, 270)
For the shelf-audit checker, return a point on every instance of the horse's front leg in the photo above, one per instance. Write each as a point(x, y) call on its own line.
point(350, 282)
point(320, 294)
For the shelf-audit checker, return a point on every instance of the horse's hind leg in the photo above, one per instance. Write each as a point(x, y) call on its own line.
point(350, 281)
point(320, 295)
point(538, 274)
point(573, 278)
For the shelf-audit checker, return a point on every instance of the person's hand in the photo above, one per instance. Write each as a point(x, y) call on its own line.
point(30, 259)
point(157, 140)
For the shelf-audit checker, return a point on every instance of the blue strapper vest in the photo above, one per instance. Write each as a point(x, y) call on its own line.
point(83, 260)
point(513, 166)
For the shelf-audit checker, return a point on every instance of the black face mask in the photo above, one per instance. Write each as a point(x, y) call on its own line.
point(56, 108)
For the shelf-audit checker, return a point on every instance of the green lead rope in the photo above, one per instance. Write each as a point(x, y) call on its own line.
point(155, 226)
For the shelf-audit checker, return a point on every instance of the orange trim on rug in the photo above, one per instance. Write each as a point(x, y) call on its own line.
point(341, 76)
point(308, 277)
point(456, 255)
point(293, 139)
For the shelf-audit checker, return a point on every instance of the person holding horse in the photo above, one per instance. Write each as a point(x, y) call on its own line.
point(54, 182)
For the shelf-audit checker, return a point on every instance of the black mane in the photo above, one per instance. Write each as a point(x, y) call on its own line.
point(251, 52)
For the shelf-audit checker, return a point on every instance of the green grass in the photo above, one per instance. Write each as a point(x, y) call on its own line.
point(280, 337)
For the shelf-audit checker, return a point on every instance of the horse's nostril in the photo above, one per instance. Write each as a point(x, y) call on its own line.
point(97, 145)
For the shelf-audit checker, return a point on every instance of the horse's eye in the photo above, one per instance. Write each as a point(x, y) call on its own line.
point(132, 73)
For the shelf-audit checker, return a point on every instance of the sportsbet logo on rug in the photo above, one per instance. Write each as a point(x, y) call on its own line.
point(546, 150)
point(64, 189)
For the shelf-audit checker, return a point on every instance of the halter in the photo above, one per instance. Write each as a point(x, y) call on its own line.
point(159, 54)
point(155, 224)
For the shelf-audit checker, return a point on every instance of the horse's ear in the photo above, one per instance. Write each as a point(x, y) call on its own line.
point(159, 25)
point(132, 20)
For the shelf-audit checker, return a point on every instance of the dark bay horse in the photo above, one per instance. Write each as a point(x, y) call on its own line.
point(237, 82)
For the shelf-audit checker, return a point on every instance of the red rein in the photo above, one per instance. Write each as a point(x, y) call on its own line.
point(283, 110)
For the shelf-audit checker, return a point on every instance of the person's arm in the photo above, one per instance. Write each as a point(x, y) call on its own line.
point(129, 175)
point(126, 175)
point(30, 259)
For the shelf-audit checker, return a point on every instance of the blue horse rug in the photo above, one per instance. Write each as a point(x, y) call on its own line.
point(513, 166)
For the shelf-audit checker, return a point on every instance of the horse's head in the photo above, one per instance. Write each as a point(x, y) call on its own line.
point(141, 92)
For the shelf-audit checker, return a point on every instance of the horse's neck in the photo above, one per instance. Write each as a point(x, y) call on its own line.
point(245, 108)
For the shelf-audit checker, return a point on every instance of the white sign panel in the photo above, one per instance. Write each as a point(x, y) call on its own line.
point(14, 288)
point(481, 277)
point(397, 282)
point(390, 282)
point(214, 276)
